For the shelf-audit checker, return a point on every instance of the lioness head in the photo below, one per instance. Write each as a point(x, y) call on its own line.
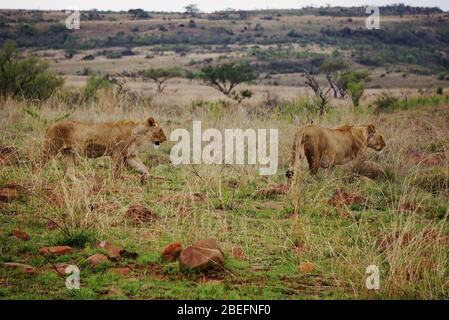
point(375, 140)
point(157, 134)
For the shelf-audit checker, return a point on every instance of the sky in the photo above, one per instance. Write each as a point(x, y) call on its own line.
point(204, 5)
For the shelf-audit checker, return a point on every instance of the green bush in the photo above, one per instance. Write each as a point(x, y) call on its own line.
point(25, 77)
point(95, 83)
point(291, 109)
point(356, 90)
point(387, 103)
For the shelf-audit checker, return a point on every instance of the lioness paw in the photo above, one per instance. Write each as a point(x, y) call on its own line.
point(289, 174)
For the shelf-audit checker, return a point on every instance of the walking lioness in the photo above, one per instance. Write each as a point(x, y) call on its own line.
point(326, 148)
point(119, 140)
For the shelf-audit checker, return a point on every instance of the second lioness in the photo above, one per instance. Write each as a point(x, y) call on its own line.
point(325, 148)
point(119, 140)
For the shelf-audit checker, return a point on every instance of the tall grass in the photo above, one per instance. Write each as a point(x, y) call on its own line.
point(340, 242)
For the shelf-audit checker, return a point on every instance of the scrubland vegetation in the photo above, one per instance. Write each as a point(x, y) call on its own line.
point(312, 239)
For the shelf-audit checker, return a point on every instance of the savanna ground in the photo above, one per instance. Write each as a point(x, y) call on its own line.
point(312, 242)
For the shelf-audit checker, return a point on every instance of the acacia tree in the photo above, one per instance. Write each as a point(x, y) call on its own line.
point(160, 76)
point(227, 76)
point(138, 13)
point(192, 9)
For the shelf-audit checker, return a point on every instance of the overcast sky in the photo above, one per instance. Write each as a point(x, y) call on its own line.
point(204, 5)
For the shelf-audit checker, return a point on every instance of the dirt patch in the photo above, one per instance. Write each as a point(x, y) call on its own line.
point(138, 214)
point(53, 198)
point(272, 189)
point(410, 207)
point(8, 155)
point(417, 157)
point(184, 198)
point(342, 198)
point(406, 238)
point(9, 192)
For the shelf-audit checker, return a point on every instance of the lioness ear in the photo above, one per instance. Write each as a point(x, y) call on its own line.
point(151, 122)
point(371, 129)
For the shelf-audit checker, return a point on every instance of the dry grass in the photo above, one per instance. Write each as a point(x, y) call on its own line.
point(276, 233)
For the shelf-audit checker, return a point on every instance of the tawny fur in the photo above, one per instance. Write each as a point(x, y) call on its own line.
point(119, 140)
point(326, 148)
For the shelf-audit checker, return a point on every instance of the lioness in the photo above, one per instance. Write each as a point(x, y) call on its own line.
point(119, 140)
point(326, 148)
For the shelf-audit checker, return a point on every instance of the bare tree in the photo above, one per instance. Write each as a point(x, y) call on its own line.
point(321, 94)
point(339, 91)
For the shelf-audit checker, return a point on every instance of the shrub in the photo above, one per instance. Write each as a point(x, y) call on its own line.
point(356, 90)
point(25, 77)
point(95, 83)
point(354, 83)
point(385, 103)
point(443, 76)
point(291, 109)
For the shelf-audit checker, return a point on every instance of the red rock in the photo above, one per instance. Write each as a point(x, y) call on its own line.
point(124, 271)
point(97, 259)
point(24, 267)
point(9, 193)
point(20, 234)
point(55, 250)
point(60, 268)
point(201, 258)
point(238, 253)
point(138, 214)
point(172, 251)
point(113, 251)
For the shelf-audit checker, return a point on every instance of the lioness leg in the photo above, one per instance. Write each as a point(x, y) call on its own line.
point(134, 163)
point(289, 173)
point(330, 165)
point(49, 150)
point(296, 154)
point(119, 165)
point(70, 161)
point(313, 156)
